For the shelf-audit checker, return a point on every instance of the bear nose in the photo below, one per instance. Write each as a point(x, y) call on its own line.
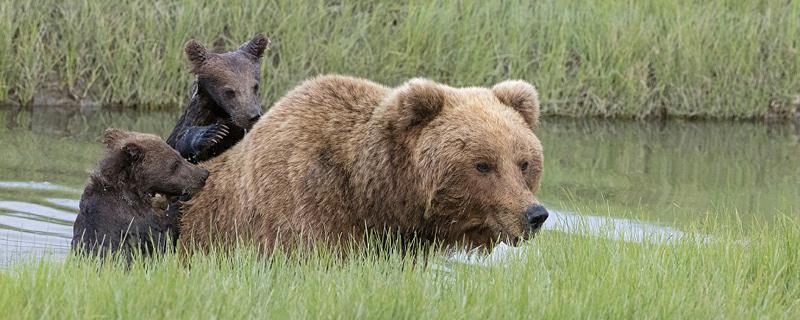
point(535, 216)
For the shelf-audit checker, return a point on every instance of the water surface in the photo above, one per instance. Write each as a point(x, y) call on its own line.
point(640, 178)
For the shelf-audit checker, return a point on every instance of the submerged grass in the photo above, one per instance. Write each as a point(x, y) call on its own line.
point(716, 59)
point(736, 274)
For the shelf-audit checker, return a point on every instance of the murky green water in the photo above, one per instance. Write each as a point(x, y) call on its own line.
point(670, 175)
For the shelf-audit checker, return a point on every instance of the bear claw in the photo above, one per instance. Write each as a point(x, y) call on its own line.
point(212, 136)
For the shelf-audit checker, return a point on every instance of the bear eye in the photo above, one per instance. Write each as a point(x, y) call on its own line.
point(524, 166)
point(229, 93)
point(483, 167)
point(255, 88)
point(174, 166)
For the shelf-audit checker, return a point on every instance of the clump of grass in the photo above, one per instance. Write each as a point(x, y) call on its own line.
point(735, 274)
point(713, 59)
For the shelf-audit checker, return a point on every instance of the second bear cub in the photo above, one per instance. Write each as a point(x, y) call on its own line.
point(225, 102)
point(116, 212)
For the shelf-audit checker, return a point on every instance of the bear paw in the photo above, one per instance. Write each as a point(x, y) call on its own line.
point(210, 137)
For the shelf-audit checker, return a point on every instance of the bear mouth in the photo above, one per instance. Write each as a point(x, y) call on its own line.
point(490, 235)
point(509, 234)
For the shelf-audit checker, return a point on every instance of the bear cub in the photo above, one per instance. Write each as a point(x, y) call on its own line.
point(225, 100)
point(116, 212)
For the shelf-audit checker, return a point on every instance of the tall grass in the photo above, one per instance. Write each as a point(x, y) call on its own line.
point(735, 275)
point(718, 59)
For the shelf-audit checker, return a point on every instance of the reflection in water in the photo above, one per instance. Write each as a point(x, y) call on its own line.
point(32, 230)
point(672, 174)
point(26, 224)
point(67, 203)
point(39, 210)
point(36, 186)
point(614, 228)
point(678, 173)
point(54, 120)
point(604, 227)
point(15, 246)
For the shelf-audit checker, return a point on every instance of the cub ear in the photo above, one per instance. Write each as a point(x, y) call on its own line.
point(522, 97)
point(113, 136)
point(256, 46)
point(418, 102)
point(133, 151)
point(196, 53)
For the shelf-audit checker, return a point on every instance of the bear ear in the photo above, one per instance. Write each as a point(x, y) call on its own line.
point(133, 151)
point(522, 97)
point(418, 102)
point(196, 53)
point(256, 46)
point(112, 137)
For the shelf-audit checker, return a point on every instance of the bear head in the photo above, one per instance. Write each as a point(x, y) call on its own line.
point(146, 163)
point(478, 161)
point(231, 79)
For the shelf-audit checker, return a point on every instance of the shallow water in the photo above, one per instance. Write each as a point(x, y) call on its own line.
point(625, 180)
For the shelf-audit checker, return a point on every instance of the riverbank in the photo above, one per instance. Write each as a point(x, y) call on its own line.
point(684, 59)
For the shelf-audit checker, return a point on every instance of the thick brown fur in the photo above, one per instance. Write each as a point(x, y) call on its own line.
point(339, 157)
point(116, 208)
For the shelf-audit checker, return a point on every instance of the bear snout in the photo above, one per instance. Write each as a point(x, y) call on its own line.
point(200, 176)
point(203, 177)
point(535, 216)
point(254, 119)
point(246, 119)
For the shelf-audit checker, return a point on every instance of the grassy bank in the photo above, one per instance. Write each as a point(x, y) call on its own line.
point(716, 59)
point(736, 275)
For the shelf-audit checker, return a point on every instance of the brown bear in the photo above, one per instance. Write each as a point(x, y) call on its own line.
point(116, 212)
point(339, 157)
point(225, 101)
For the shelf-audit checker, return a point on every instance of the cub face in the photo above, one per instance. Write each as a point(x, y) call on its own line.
point(231, 79)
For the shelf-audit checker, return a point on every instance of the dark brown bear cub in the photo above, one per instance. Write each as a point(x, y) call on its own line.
point(116, 213)
point(225, 101)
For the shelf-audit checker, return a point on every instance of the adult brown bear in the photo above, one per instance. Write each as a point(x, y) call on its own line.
point(338, 157)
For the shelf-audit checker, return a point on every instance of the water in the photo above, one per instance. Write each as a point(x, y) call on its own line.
point(625, 180)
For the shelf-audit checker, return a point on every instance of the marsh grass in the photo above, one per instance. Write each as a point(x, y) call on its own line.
point(716, 59)
point(735, 274)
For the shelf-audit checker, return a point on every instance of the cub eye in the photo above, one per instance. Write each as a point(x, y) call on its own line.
point(483, 167)
point(255, 88)
point(229, 93)
point(524, 166)
point(174, 166)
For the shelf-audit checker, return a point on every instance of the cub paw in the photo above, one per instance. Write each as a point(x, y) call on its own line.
point(210, 137)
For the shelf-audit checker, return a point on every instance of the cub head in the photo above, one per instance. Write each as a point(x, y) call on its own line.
point(231, 79)
point(477, 158)
point(151, 165)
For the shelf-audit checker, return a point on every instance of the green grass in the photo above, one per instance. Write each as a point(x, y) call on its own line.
point(712, 59)
point(736, 275)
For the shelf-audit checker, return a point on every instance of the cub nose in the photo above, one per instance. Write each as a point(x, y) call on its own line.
point(535, 216)
point(204, 175)
point(255, 118)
